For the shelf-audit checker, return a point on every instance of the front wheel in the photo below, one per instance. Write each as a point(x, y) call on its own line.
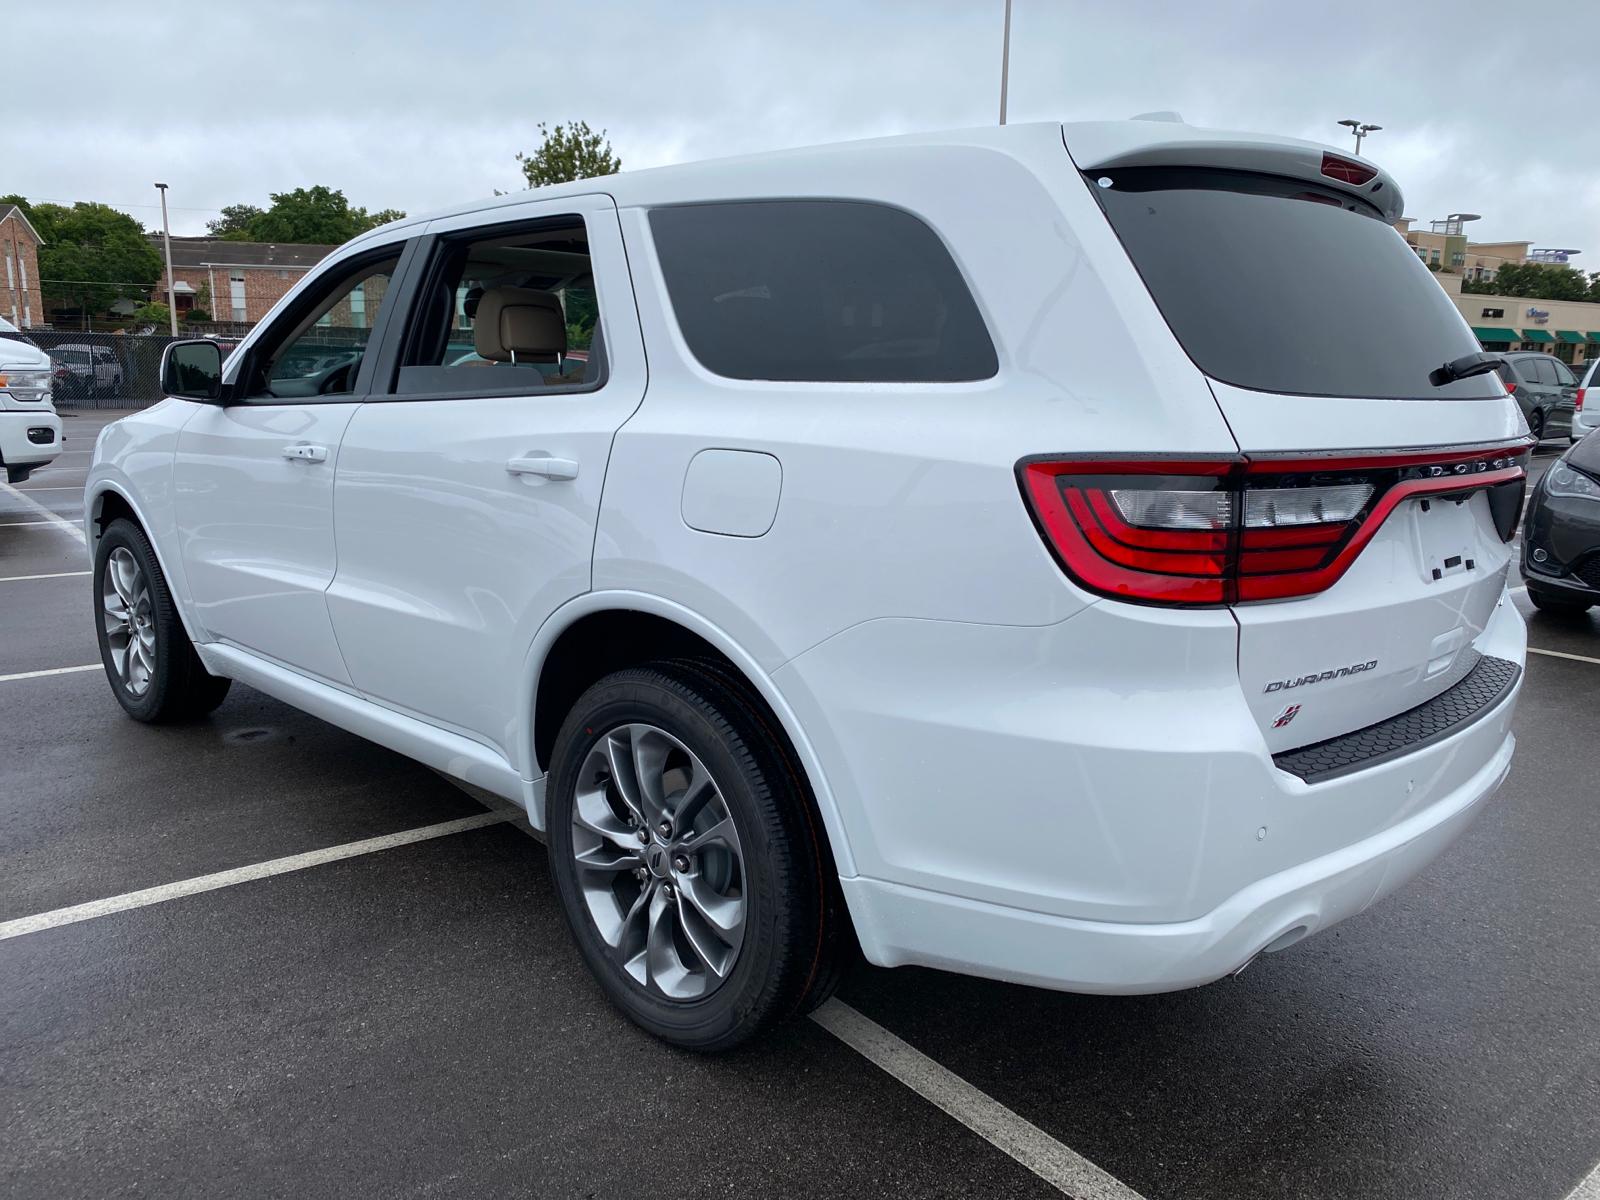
point(1536, 424)
point(154, 672)
point(686, 861)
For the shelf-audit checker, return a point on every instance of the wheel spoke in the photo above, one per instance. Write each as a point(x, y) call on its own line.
point(650, 750)
point(667, 970)
point(591, 812)
point(619, 760)
point(725, 914)
point(700, 790)
point(722, 833)
point(715, 953)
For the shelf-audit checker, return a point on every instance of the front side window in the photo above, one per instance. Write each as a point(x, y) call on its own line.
point(1357, 315)
point(819, 291)
point(510, 313)
point(321, 351)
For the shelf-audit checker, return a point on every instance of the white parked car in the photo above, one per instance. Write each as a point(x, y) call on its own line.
point(974, 546)
point(30, 430)
point(1586, 416)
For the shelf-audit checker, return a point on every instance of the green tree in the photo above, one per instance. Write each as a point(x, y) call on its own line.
point(153, 314)
point(92, 255)
point(234, 221)
point(1539, 281)
point(568, 152)
point(316, 216)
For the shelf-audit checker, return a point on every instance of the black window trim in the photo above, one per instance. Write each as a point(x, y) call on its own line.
point(973, 292)
point(426, 264)
point(404, 253)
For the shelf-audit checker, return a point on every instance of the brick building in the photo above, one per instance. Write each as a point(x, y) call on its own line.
point(234, 281)
point(19, 246)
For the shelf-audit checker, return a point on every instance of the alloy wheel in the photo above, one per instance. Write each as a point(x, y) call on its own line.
point(659, 862)
point(128, 611)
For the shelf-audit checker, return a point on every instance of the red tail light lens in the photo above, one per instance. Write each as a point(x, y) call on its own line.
point(1224, 531)
point(1346, 171)
point(1510, 387)
point(1577, 404)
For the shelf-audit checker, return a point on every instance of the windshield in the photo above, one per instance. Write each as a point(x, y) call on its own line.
point(1284, 286)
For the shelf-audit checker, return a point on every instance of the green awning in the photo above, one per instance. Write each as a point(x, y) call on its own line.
point(1537, 335)
point(1594, 336)
point(1494, 333)
point(1568, 335)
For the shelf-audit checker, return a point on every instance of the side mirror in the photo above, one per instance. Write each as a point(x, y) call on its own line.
point(192, 370)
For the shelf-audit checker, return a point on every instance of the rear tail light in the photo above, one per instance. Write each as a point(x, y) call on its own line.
point(1577, 404)
point(1226, 530)
point(1346, 171)
point(1511, 387)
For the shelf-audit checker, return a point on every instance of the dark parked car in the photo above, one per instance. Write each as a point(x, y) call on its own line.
point(1561, 535)
point(1546, 389)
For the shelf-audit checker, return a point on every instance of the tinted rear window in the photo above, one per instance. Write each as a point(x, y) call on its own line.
point(1284, 286)
point(819, 290)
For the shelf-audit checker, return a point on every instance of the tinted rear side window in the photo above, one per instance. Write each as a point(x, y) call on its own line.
point(1283, 286)
point(820, 291)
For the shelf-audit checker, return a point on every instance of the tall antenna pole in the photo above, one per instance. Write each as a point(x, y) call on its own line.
point(1005, 63)
point(166, 238)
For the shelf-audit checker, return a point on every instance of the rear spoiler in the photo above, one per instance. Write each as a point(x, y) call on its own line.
point(1103, 145)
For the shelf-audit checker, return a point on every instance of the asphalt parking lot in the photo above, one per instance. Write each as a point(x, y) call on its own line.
point(408, 1018)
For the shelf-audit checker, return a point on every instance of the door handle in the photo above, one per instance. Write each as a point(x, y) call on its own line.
point(306, 452)
point(547, 468)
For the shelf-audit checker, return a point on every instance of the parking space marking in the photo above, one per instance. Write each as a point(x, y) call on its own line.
point(50, 518)
point(221, 879)
point(1589, 1189)
point(51, 671)
point(1564, 654)
point(1020, 1139)
point(51, 489)
point(50, 575)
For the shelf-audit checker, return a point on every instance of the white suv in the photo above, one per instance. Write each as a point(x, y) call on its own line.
point(30, 430)
point(1080, 564)
point(1586, 414)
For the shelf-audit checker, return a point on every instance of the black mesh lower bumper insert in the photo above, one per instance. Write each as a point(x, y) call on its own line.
point(1474, 696)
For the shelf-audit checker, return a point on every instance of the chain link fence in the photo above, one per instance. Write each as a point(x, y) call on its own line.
point(115, 370)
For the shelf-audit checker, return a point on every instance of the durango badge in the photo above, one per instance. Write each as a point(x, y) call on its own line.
point(1283, 685)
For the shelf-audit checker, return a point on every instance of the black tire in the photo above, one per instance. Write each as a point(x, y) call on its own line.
point(1557, 607)
point(1536, 424)
point(791, 933)
point(179, 687)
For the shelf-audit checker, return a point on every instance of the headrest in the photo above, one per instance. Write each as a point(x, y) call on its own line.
point(519, 325)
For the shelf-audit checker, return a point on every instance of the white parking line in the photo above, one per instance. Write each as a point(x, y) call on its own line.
point(50, 518)
point(1564, 654)
point(1589, 1189)
point(1050, 1160)
point(51, 489)
point(49, 575)
point(51, 671)
point(222, 879)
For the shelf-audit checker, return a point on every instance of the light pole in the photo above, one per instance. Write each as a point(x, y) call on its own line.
point(1005, 62)
point(172, 287)
point(1360, 131)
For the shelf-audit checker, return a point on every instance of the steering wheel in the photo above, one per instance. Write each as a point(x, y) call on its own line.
point(339, 379)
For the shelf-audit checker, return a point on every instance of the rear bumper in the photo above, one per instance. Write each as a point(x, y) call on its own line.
point(930, 929)
point(1092, 806)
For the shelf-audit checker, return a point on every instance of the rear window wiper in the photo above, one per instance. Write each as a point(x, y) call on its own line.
point(1465, 367)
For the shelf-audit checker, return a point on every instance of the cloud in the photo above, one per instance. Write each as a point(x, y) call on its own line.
point(416, 105)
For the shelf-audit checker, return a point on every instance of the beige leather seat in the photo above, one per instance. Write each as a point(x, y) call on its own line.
point(520, 325)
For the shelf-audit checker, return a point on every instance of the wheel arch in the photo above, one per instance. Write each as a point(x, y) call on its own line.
point(603, 631)
point(111, 500)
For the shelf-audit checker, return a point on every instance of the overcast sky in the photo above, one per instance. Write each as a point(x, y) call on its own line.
point(414, 105)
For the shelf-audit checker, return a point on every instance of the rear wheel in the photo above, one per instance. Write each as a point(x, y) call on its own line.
point(1557, 606)
point(686, 862)
point(151, 664)
point(1536, 424)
